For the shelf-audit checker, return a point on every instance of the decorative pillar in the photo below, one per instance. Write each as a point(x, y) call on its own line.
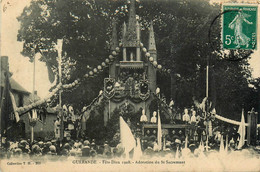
point(138, 58)
point(124, 54)
point(252, 127)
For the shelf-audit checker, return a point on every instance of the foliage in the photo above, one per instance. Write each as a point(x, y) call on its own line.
point(183, 45)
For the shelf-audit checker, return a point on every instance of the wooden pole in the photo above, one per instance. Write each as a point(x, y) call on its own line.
point(59, 48)
point(32, 130)
point(207, 92)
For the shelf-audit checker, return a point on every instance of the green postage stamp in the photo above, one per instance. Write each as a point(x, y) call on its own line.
point(239, 27)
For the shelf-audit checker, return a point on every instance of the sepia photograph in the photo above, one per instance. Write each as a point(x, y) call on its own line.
point(129, 85)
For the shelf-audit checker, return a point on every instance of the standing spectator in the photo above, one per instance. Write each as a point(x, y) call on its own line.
point(57, 128)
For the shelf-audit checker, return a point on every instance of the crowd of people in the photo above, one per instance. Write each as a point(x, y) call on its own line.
point(89, 148)
point(82, 146)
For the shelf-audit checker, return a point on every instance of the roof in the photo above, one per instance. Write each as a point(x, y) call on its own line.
point(51, 110)
point(14, 85)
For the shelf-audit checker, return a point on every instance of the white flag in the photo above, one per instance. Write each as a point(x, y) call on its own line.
point(221, 147)
point(14, 107)
point(242, 131)
point(226, 148)
point(34, 114)
point(138, 150)
point(126, 136)
point(159, 133)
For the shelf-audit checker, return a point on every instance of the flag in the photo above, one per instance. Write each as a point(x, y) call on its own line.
point(207, 144)
point(226, 148)
point(221, 147)
point(164, 143)
point(126, 136)
point(51, 75)
point(14, 107)
point(137, 150)
point(177, 153)
point(201, 147)
point(242, 131)
point(186, 142)
point(210, 128)
point(171, 103)
point(34, 114)
point(159, 133)
point(157, 91)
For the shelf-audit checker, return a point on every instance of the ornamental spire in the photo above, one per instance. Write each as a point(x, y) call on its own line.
point(131, 35)
point(152, 45)
point(114, 42)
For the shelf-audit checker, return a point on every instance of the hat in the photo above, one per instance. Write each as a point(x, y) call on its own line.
point(178, 141)
point(52, 148)
point(67, 146)
point(48, 143)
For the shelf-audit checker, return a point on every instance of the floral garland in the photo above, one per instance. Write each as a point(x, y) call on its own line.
point(154, 62)
point(75, 83)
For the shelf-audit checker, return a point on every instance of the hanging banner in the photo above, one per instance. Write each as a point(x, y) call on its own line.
point(109, 87)
point(144, 91)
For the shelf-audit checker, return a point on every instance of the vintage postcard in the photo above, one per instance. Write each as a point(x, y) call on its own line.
point(129, 85)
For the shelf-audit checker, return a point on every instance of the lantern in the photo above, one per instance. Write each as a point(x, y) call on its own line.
point(151, 59)
point(30, 106)
point(159, 66)
point(144, 50)
point(86, 75)
point(99, 67)
point(107, 61)
point(76, 82)
point(141, 44)
point(90, 73)
point(111, 57)
point(155, 63)
point(103, 64)
point(95, 70)
point(114, 53)
point(147, 54)
point(117, 49)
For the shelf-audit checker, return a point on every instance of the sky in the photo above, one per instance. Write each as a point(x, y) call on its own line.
point(22, 69)
point(19, 65)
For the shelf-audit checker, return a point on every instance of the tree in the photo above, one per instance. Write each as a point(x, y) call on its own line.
point(181, 29)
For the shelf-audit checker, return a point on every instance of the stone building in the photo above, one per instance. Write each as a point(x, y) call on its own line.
point(14, 127)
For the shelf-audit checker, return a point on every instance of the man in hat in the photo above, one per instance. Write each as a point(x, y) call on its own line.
point(86, 149)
